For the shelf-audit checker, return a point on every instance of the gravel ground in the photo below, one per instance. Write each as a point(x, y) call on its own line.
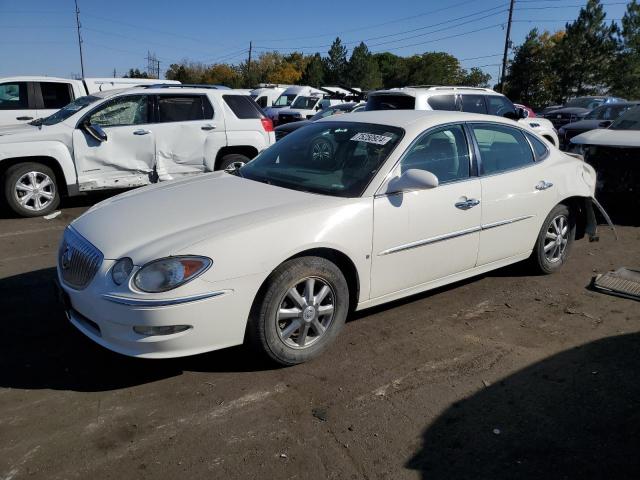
point(503, 376)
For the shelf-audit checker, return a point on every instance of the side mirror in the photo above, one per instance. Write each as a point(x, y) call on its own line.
point(605, 124)
point(412, 179)
point(522, 113)
point(512, 115)
point(95, 131)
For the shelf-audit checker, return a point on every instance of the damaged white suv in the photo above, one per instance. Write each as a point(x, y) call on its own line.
point(128, 138)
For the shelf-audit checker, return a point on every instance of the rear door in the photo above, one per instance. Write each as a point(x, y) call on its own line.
point(189, 131)
point(17, 103)
point(517, 190)
point(244, 123)
point(127, 157)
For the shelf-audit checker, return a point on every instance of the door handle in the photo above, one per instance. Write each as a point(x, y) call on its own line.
point(141, 132)
point(467, 204)
point(542, 185)
point(208, 127)
point(24, 118)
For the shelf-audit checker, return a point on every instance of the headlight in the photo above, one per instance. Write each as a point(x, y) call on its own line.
point(121, 270)
point(169, 273)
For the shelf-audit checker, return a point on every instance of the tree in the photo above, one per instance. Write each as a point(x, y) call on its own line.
point(336, 63)
point(475, 78)
point(393, 69)
point(363, 70)
point(136, 74)
point(434, 68)
point(626, 70)
point(222, 74)
point(314, 74)
point(583, 58)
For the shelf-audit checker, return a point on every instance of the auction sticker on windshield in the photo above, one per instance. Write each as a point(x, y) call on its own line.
point(371, 138)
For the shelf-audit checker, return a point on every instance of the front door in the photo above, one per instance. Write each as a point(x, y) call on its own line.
point(17, 103)
point(425, 235)
point(127, 157)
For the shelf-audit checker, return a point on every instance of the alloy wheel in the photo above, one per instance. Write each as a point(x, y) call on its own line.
point(556, 239)
point(35, 191)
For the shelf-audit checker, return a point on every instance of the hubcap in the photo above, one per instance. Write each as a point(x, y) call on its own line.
point(556, 239)
point(305, 312)
point(34, 191)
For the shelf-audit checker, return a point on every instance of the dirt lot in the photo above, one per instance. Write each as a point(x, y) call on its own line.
point(504, 376)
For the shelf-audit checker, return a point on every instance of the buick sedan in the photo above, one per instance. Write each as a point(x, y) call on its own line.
point(341, 215)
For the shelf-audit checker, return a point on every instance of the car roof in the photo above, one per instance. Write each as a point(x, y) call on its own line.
point(171, 89)
point(418, 120)
point(436, 89)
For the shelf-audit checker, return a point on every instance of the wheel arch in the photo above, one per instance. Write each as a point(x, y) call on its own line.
point(246, 150)
point(579, 207)
point(48, 161)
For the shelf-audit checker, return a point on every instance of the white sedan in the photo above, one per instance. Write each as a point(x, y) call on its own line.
point(341, 215)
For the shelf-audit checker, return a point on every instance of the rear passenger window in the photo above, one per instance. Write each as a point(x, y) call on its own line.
point(539, 148)
point(443, 102)
point(183, 108)
point(473, 104)
point(242, 106)
point(262, 102)
point(502, 148)
point(55, 95)
point(13, 96)
point(443, 152)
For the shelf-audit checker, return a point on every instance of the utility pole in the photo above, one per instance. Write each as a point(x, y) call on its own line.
point(249, 65)
point(79, 38)
point(507, 44)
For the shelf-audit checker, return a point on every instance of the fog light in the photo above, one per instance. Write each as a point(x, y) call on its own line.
point(164, 330)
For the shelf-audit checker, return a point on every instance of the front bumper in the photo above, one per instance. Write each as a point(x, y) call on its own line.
point(217, 317)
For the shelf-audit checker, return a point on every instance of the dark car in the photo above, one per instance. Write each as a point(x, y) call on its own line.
point(287, 128)
point(576, 109)
point(600, 117)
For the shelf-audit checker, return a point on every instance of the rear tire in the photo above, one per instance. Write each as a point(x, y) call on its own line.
point(554, 240)
point(232, 158)
point(301, 311)
point(30, 189)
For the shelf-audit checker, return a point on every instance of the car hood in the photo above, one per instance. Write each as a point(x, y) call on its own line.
point(583, 125)
point(25, 133)
point(166, 218)
point(608, 137)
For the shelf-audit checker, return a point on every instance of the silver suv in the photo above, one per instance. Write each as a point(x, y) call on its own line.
point(464, 99)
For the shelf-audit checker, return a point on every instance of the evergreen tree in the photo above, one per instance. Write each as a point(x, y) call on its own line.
point(336, 63)
point(393, 69)
point(583, 58)
point(314, 74)
point(363, 69)
point(625, 74)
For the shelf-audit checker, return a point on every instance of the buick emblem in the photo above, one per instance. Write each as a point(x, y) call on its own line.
point(65, 258)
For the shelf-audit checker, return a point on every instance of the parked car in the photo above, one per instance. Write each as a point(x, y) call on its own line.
point(283, 249)
point(466, 99)
point(576, 109)
point(529, 113)
point(599, 117)
point(266, 96)
point(287, 98)
point(283, 130)
point(127, 138)
point(23, 99)
point(614, 152)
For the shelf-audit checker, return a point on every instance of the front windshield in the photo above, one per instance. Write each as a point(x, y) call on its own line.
point(585, 102)
point(74, 107)
point(630, 120)
point(305, 103)
point(284, 100)
point(606, 112)
point(330, 158)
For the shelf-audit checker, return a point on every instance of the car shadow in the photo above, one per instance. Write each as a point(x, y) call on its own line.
point(572, 415)
point(41, 349)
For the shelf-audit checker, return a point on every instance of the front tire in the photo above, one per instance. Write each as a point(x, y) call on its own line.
point(228, 160)
point(30, 189)
point(302, 310)
point(554, 240)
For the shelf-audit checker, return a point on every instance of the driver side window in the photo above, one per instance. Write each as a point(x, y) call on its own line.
point(127, 110)
point(443, 152)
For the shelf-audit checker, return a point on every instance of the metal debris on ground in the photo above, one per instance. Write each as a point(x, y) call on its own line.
point(53, 215)
point(623, 282)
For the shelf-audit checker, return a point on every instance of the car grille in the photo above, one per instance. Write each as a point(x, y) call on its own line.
point(284, 118)
point(560, 119)
point(280, 134)
point(78, 260)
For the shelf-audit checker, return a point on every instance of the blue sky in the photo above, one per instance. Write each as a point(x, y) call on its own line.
point(38, 37)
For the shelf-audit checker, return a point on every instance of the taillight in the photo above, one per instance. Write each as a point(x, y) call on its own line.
point(267, 124)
